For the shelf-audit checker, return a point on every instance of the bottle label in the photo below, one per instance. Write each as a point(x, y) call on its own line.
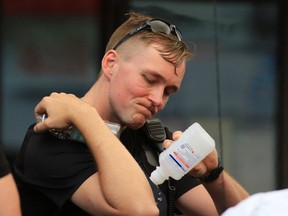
point(185, 157)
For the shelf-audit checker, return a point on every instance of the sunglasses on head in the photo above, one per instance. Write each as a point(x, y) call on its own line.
point(156, 26)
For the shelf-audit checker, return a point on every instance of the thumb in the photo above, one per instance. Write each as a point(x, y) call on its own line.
point(39, 127)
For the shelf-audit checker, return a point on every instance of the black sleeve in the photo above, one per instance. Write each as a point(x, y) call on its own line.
point(52, 166)
point(185, 184)
point(4, 165)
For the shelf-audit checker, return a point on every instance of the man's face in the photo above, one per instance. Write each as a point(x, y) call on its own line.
point(141, 84)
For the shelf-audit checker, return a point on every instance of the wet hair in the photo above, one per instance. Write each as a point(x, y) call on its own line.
point(170, 49)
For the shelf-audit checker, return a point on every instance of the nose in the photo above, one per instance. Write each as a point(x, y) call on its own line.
point(158, 98)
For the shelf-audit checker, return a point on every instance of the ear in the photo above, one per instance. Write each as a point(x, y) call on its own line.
point(109, 61)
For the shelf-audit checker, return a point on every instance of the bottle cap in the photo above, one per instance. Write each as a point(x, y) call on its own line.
point(157, 176)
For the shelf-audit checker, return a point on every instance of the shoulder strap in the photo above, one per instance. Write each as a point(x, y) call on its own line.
point(157, 133)
point(150, 138)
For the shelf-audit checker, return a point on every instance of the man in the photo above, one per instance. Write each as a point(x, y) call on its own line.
point(9, 198)
point(143, 65)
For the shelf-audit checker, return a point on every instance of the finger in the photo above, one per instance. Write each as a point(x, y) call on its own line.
point(40, 108)
point(176, 135)
point(199, 170)
point(198, 167)
point(166, 144)
point(211, 160)
point(39, 127)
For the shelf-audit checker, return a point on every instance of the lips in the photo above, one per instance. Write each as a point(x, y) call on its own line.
point(153, 110)
point(146, 111)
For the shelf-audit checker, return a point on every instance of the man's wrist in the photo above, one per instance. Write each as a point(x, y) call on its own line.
point(214, 174)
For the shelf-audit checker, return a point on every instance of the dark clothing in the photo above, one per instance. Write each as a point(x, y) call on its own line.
point(4, 165)
point(49, 170)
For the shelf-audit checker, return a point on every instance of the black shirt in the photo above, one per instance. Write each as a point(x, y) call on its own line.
point(4, 165)
point(48, 170)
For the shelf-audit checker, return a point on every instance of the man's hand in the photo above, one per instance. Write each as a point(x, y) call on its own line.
point(203, 168)
point(59, 110)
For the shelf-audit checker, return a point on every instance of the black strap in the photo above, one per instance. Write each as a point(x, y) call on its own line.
point(171, 184)
point(214, 174)
point(157, 133)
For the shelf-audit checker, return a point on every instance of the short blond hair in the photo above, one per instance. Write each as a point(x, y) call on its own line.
point(172, 50)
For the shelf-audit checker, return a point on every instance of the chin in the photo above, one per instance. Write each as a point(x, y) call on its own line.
point(135, 121)
point(136, 124)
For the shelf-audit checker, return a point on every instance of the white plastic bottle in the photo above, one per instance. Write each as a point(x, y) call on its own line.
point(192, 146)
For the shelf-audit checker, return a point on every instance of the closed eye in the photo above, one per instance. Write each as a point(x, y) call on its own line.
point(153, 80)
point(149, 80)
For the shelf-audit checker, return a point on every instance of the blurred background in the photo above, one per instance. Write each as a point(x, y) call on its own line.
point(235, 86)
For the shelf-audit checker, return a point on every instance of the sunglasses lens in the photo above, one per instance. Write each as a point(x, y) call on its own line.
point(159, 26)
point(163, 27)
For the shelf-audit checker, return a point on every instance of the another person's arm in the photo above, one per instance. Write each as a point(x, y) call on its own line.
point(120, 186)
point(9, 197)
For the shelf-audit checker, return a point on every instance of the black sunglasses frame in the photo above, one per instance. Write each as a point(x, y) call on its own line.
point(154, 28)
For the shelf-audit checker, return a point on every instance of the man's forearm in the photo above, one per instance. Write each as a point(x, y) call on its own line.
point(225, 192)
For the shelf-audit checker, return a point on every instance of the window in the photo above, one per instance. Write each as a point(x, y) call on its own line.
point(246, 81)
